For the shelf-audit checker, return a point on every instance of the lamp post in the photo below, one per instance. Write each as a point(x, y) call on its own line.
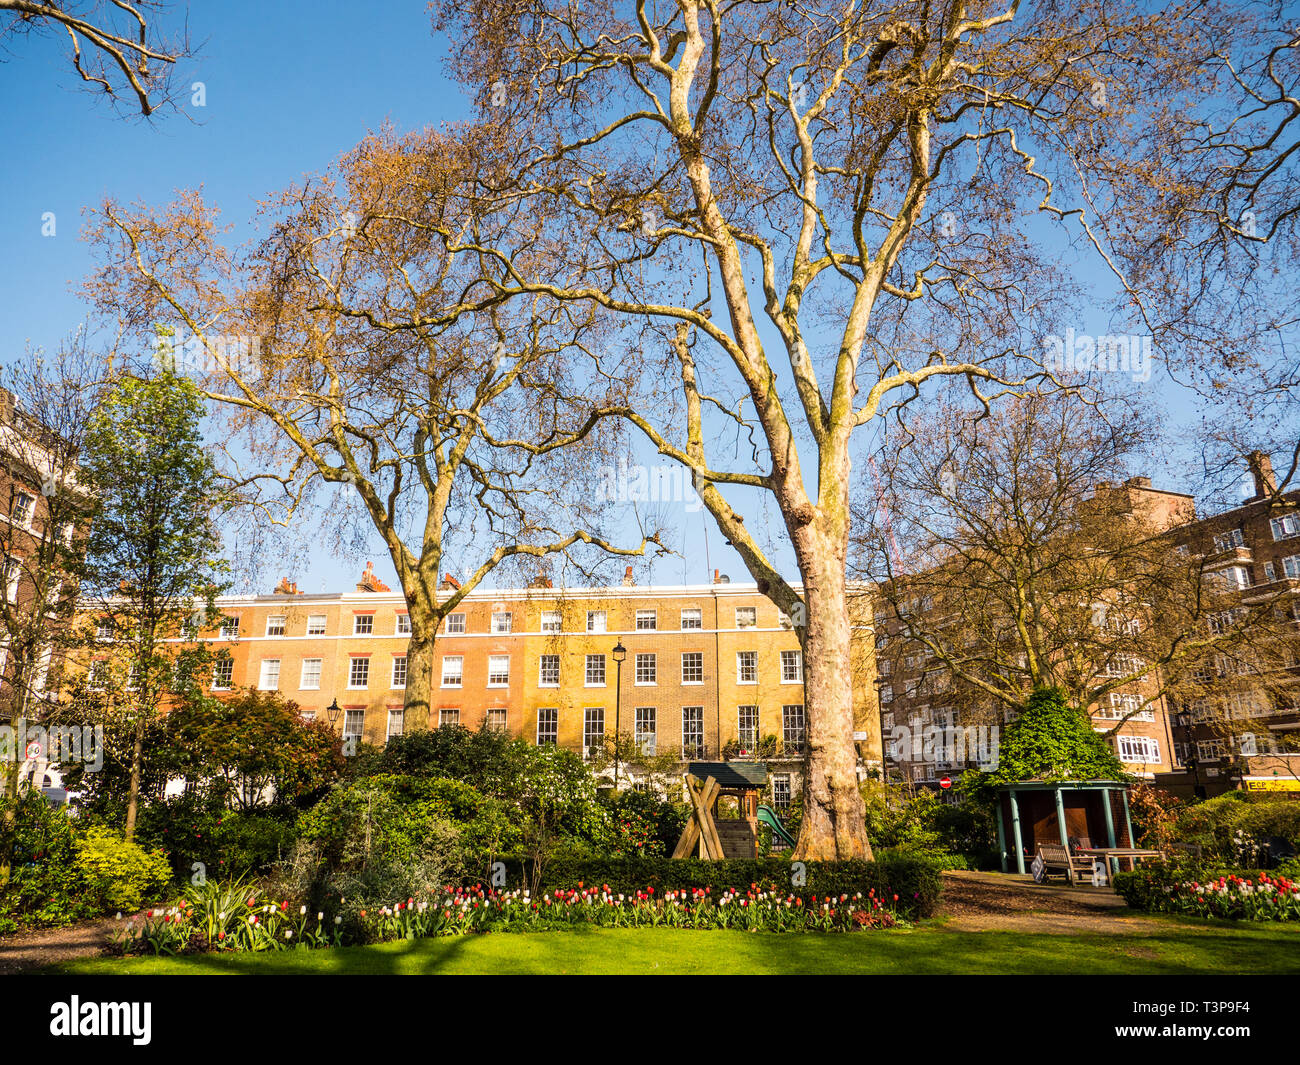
point(332, 713)
point(620, 653)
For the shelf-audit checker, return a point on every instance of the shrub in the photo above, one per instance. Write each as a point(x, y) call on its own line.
point(1183, 889)
point(916, 882)
point(118, 875)
point(227, 842)
point(1232, 829)
point(43, 887)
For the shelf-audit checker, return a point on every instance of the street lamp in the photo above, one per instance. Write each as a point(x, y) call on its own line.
point(620, 653)
point(332, 713)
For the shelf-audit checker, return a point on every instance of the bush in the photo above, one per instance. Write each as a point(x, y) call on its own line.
point(227, 842)
point(1199, 891)
point(117, 875)
point(43, 888)
point(916, 882)
point(1232, 829)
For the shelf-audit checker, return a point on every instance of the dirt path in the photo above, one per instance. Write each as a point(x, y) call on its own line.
point(32, 950)
point(999, 902)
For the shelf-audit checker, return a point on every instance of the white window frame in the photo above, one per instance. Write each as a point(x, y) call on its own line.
point(495, 671)
point(549, 718)
point(226, 668)
point(353, 671)
point(448, 715)
point(792, 675)
point(398, 716)
point(358, 620)
point(457, 678)
point(645, 730)
point(275, 624)
point(303, 675)
point(645, 670)
point(503, 622)
point(262, 678)
point(742, 657)
point(455, 625)
point(317, 624)
point(591, 714)
point(750, 613)
point(588, 671)
point(229, 629)
point(651, 617)
point(552, 621)
point(402, 624)
point(693, 654)
point(693, 718)
point(597, 620)
point(354, 724)
point(543, 661)
point(393, 673)
point(692, 619)
point(1285, 527)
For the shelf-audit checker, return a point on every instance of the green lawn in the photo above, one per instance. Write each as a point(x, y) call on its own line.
point(1186, 947)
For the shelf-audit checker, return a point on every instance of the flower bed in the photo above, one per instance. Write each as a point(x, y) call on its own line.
point(1255, 897)
point(220, 922)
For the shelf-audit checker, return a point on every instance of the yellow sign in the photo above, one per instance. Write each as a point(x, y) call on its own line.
point(1272, 784)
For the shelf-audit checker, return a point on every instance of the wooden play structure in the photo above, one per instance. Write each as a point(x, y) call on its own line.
point(706, 833)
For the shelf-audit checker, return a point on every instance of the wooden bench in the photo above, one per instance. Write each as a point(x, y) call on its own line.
point(1057, 859)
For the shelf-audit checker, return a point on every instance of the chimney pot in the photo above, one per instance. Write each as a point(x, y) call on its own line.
point(1261, 468)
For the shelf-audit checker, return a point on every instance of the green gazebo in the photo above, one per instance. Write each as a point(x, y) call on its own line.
point(1037, 811)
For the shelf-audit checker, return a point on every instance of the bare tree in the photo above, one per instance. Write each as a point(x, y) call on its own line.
point(358, 346)
point(116, 48)
point(846, 185)
point(1016, 559)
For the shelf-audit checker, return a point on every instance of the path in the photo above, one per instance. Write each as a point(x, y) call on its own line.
point(32, 950)
point(1002, 902)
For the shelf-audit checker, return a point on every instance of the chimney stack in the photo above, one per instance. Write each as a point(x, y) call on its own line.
point(286, 587)
point(369, 582)
point(716, 574)
point(449, 583)
point(627, 578)
point(1261, 468)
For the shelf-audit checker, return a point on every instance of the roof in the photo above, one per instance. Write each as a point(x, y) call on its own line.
point(742, 776)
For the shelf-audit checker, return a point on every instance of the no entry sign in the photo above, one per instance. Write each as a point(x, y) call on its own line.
point(945, 782)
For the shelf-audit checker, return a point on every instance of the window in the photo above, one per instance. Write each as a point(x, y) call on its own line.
point(132, 677)
point(548, 671)
point(1229, 540)
point(223, 673)
point(399, 672)
point(692, 732)
point(548, 725)
point(9, 573)
point(884, 667)
point(1210, 750)
point(1232, 577)
point(1285, 527)
point(1122, 664)
point(104, 629)
point(693, 667)
point(645, 669)
point(551, 621)
point(781, 791)
point(230, 629)
point(746, 617)
point(593, 730)
point(310, 679)
point(597, 621)
point(359, 673)
point(316, 625)
point(595, 671)
point(396, 720)
point(693, 618)
point(502, 622)
point(747, 726)
point(496, 718)
point(647, 619)
point(308, 715)
point(644, 733)
point(363, 624)
point(448, 715)
point(1138, 749)
point(97, 675)
point(189, 628)
point(24, 508)
point(498, 671)
point(792, 729)
point(403, 625)
point(455, 624)
point(1291, 565)
point(791, 667)
point(354, 724)
point(886, 694)
point(746, 667)
point(1270, 573)
point(453, 671)
point(269, 680)
point(275, 625)
point(1125, 704)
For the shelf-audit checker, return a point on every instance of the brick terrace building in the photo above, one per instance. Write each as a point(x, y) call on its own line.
point(1241, 729)
point(709, 668)
point(915, 689)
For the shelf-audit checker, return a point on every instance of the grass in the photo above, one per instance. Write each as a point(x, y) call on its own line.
point(1188, 946)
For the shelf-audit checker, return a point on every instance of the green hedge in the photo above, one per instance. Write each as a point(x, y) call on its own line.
point(916, 881)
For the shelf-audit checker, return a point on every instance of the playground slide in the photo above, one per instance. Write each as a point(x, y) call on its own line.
point(767, 816)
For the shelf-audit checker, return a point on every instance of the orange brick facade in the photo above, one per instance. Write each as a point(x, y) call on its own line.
point(539, 662)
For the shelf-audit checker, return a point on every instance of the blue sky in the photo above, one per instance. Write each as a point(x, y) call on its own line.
point(289, 87)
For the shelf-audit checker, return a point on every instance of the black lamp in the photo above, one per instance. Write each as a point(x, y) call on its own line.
point(620, 653)
point(332, 712)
